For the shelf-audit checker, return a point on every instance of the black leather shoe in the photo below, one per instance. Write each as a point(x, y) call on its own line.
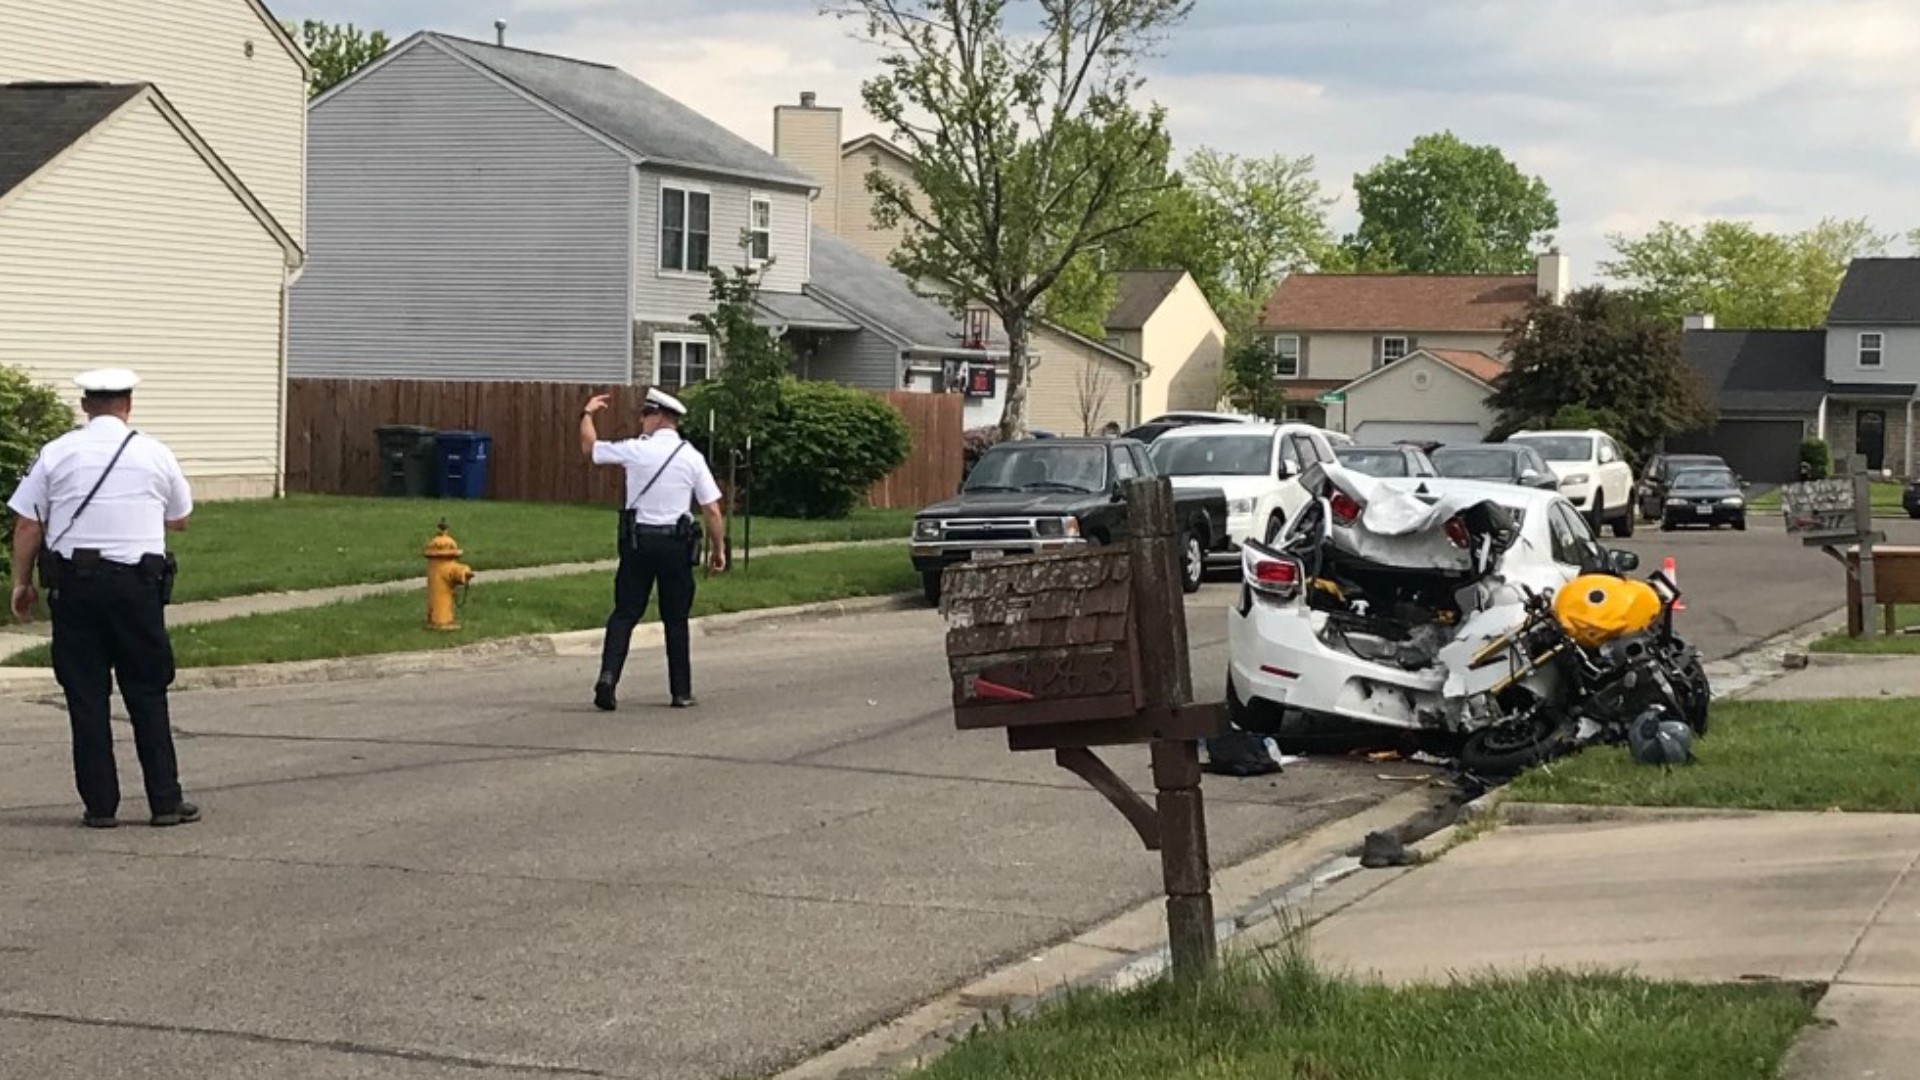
point(183, 813)
point(684, 701)
point(101, 821)
point(603, 696)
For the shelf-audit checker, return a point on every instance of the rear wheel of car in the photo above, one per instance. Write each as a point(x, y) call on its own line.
point(1623, 525)
point(1193, 561)
point(930, 584)
point(1598, 518)
point(1276, 522)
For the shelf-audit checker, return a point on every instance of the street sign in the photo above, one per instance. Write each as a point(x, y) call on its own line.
point(1332, 397)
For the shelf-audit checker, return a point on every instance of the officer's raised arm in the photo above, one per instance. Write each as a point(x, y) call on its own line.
point(590, 435)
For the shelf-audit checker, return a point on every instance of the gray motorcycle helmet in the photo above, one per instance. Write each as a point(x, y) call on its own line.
point(1655, 738)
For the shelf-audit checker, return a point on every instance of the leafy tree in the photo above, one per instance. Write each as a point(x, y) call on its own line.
point(1600, 356)
point(1081, 297)
point(1745, 278)
point(1449, 207)
point(31, 415)
point(745, 387)
point(1028, 149)
point(336, 50)
point(822, 449)
point(1251, 383)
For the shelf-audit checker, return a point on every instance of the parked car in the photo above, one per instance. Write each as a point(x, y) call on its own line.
point(1398, 460)
point(1910, 498)
point(1031, 496)
point(1257, 465)
point(1501, 463)
point(1165, 422)
point(1659, 473)
point(1708, 496)
point(1594, 474)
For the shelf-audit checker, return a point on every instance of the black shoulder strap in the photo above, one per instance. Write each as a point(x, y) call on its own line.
point(681, 445)
point(95, 490)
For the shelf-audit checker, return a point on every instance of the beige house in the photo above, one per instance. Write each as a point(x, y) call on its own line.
point(152, 186)
point(1073, 378)
point(1162, 317)
point(1437, 395)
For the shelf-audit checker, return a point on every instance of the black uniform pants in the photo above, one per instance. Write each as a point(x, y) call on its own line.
point(653, 558)
point(109, 622)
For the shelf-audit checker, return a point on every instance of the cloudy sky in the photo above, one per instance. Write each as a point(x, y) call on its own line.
point(1775, 111)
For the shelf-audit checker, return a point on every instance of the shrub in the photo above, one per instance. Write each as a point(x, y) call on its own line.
point(30, 416)
point(825, 446)
point(1817, 458)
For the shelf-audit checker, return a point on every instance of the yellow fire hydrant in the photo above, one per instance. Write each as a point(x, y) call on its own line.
point(445, 575)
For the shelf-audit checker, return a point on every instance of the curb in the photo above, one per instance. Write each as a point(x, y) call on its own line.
point(1122, 951)
point(571, 643)
point(1525, 814)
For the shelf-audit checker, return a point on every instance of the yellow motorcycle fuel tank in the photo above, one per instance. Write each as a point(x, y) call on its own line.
point(1594, 609)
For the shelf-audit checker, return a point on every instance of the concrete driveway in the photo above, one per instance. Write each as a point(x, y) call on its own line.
point(439, 875)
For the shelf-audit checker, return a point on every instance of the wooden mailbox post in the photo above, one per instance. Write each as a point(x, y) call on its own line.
point(1073, 651)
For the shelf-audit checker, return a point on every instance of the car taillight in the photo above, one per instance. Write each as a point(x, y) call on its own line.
point(1346, 509)
point(1272, 575)
point(1457, 532)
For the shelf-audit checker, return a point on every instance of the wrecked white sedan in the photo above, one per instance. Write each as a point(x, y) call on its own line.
point(1486, 612)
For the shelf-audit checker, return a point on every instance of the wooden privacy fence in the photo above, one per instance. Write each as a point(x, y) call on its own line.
point(331, 448)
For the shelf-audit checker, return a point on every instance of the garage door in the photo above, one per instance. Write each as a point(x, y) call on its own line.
point(1765, 451)
point(1387, 432)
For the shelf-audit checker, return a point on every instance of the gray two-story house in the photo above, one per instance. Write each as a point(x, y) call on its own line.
point(484, 213)
point(1873, 363)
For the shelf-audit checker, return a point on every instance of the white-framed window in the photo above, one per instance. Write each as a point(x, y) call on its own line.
point(686, 225)
point(680, 361)
point(1286, 356)
point(1872, 350)
point(760, 228)
point(1391, 349)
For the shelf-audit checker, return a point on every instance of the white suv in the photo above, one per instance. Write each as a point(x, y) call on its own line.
point(1594, 474)
point(1258, 465)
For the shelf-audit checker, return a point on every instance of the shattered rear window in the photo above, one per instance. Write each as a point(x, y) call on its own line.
point(1373, 462)
point(1474, 464)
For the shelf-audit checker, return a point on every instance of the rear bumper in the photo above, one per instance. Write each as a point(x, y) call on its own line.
point(1699, 515)
point(1276, 656)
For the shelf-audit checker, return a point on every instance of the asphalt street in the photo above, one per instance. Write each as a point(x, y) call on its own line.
point(432, 875)
point(475, 873)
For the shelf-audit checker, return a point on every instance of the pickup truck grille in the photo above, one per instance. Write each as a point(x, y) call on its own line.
point(970, 531)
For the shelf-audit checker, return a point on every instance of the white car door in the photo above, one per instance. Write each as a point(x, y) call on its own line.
point(1615, 474)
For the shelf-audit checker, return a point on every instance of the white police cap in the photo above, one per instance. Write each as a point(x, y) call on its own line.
point(107, 381)
point(656, 396)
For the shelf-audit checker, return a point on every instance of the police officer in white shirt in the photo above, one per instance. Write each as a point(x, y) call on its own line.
point(666, 477)
point(93, 513)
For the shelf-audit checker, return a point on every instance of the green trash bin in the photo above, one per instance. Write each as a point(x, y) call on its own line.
point(407, 460)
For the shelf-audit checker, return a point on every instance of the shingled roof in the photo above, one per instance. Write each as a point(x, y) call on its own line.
point(628, 111)
point(1759, 370)
point(1882, 292)
point(1472, 303)
point(39, 120)
point(1139, 293)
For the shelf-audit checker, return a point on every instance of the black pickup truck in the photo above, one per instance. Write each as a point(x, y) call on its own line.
point(1037, 495)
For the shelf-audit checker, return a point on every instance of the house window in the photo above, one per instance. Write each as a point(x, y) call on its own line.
point(1391, 349)
point(679, 361)
point(685, 222)
point(1870, 350)
point(760, 229)
point(1286, 357)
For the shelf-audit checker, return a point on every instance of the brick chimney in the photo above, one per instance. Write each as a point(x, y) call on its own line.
point(1554, 276)
point(807, 137)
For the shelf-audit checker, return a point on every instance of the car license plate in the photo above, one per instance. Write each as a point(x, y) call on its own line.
point(987, 553)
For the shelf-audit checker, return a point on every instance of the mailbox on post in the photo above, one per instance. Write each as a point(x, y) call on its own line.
point(1069, 652)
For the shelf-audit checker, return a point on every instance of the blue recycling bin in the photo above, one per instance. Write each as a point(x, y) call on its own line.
point(463, 463)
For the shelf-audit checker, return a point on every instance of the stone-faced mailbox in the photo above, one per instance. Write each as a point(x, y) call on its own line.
point(1068, 652)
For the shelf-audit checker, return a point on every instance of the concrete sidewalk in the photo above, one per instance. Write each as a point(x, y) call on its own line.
point(1817, 898)
point(16, 638)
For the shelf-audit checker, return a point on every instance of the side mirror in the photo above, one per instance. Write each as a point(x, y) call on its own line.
point(1623, 562)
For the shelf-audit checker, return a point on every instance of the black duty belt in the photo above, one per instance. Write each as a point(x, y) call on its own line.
point(655, 530)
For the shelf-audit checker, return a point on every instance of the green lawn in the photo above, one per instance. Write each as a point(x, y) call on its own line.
point(1861, 755)
point(314, 541)
point(396, 622)
point(1884, 497)
point(1284, 1021)
point(1904, 615)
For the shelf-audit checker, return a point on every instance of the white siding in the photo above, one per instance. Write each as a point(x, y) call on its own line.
point(856, 222)
point(1057, 396)
point(670, 296)
point(131, 251)
point(461, 231)
point(1899, 355)
point(250, 109)
point(1419, 389)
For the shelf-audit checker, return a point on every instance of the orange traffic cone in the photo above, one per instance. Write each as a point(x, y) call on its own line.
point(1672, 572)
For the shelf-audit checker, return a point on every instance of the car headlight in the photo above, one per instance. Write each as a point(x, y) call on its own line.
point(1676, 502)
point(1055, 528)
point(1577, 478)
point(1733, 500)
point(926, 530)
point(1239, 506)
